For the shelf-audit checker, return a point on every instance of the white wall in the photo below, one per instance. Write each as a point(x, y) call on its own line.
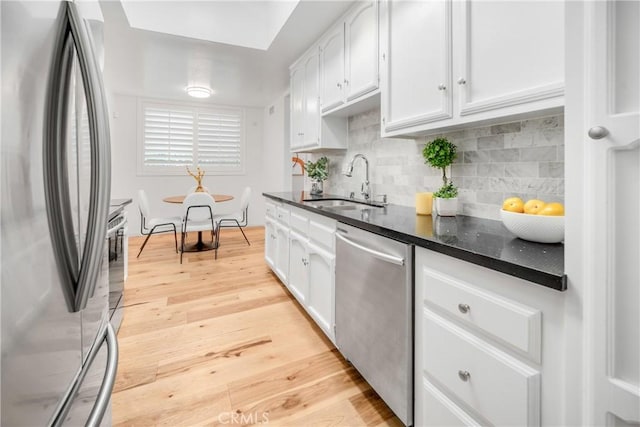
point(126, 182)
point(277, 164)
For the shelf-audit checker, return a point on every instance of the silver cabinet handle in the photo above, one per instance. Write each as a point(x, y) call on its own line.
point(464, 308)
point(339, 85)
point(598, 132)
point(464, 375)
point(380, 255)
point(461, 81)
point(441, 87)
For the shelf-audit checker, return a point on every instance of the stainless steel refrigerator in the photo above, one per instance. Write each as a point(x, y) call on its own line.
point(59, 353)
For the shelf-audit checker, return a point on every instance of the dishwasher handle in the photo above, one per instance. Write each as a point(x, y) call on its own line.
point(380, 255)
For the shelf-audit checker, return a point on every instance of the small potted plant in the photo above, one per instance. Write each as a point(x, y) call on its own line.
point(318, 171)
point(440, 153)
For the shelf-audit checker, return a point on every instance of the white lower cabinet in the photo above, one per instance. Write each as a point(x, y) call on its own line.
point(320, 302)
point(488, 346)
point(270, 243)
point(300, 249)
point(298, 267)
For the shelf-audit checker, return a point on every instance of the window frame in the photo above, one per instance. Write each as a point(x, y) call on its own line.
point(195, 109)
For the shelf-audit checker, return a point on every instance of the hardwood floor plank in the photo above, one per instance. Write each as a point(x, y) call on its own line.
point(222, 342)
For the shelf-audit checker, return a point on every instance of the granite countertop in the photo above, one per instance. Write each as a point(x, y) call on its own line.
point(480, 241)
point(116, 206)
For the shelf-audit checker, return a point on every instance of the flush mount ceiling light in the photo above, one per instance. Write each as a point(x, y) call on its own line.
point(198, 91)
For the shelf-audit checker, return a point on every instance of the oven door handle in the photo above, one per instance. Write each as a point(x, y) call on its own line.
point(380, 255)
point(118, 225)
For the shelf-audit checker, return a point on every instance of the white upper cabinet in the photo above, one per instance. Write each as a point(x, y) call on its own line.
point(332, 64)
point(361, 41)
point(305, 102)
point(416, 64)
point(349, 57)
point(297, 107)
point(449, 63)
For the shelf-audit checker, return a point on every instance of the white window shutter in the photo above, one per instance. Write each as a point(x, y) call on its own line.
point(168, 137)
point(220, 139)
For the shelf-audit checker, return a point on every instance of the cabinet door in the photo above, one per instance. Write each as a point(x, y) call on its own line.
point(322, 274)
point(361, 38)
point(298, 271)
point(612, 233)
point(507, 53)
point(270, 243)
point(311, 130)
point(282, 253)
point(332, 68)
point(417, 64)
point(297, 107)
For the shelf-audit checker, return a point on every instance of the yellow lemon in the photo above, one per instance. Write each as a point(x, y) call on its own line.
point(533, 206)
point(552, 209)
point(513, 204)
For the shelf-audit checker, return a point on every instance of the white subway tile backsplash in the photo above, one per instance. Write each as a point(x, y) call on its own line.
point(523, 158)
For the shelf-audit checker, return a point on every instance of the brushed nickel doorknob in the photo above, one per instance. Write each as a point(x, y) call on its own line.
point(598, 132)
point(464, 375)
point(461, 81)
point(441, 87)
point(464, 308)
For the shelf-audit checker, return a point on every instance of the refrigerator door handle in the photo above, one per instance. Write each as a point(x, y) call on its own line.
point(104, 395)
point(79, 275)
point(100, 158)
point(55, 167)
point(106, 387)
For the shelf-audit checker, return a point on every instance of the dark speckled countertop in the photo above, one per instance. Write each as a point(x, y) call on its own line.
point(480, 241)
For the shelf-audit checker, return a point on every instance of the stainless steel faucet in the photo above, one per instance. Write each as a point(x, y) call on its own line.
point(364, 189)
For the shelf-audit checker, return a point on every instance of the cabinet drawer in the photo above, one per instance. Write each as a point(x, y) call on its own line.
point(501, 388)
point(438, 410)
point(299, 221)
point(322, 231)
point(270, 209)
point(282, 215)
point(513, 323)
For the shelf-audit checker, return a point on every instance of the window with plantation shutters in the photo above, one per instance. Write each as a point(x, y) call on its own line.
point(173, 137)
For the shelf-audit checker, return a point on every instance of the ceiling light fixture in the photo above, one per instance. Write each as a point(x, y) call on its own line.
point(198, 91)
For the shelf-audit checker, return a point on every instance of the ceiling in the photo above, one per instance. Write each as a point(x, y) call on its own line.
point(155, 64)
point(248, 23)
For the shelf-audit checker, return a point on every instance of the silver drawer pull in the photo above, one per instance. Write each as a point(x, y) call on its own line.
point(464, 308)
point(464, 375)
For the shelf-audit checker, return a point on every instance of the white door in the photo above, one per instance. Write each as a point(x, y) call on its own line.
point(416, 61)
point(515, 59)
point(612, 227)
point(298, 271)
point(297, 107)
point(312, 100)
point(361, 38)
point(332, 66)
point(321, 287)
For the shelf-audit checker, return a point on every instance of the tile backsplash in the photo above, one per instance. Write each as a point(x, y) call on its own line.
point(523, 158)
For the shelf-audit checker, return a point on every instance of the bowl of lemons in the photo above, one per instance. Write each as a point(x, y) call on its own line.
point(534, 220)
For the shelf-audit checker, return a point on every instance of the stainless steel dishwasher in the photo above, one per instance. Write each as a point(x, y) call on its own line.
point(374, 313)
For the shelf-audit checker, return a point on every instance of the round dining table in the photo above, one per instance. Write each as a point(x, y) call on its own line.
point(200, 245)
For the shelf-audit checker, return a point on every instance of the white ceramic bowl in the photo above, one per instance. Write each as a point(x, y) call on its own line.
point(535, 228)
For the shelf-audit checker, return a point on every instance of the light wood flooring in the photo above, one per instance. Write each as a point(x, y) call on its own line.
point(222, 342)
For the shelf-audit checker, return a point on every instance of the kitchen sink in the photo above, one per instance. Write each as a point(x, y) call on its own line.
point(341, 204)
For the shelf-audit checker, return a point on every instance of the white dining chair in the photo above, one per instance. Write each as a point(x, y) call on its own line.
point(198, 215)
point(238, 219)
point(151, 225)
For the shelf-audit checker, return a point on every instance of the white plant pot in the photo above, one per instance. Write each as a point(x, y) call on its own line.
point(446, 207)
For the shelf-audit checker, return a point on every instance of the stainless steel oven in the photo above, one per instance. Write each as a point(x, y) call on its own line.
point(118, 252)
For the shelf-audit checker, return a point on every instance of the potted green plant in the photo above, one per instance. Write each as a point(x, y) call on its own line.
point(440, 153)
point(318, 171)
